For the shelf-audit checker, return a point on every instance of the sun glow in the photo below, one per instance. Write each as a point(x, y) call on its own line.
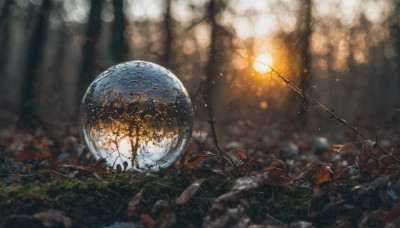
point(263, 68)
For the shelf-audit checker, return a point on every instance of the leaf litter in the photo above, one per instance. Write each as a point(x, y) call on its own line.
point(59, 184)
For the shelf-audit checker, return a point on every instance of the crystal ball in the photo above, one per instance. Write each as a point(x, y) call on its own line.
point(138, 115)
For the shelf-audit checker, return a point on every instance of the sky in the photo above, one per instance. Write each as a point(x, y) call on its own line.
point(248, 18)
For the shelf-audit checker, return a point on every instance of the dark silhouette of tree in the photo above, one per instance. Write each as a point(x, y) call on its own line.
point(215, 51)
point(28, 117)
point(304, 27)
point(90, 48)
point(4, 10)
point(60, 48)
point(168, 23)
point(395, 35)
point(4, 28)
point(118, 42)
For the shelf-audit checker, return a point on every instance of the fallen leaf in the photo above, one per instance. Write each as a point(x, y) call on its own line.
point(147, 221)
point(132, 209)
point(125, 165)
point(196, 159)
point(189, 192)
point(380, 181)
point(166, 219)
point(278, 164)
point(320, 173)
point(275, 176)
point(53, 219)
point(364, 154)
point(158, 206)
point(244, 184)
point(336, 148)
point(119, 169)
point(347, 147)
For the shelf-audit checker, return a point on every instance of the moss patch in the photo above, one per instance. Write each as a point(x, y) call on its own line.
point(289, 203)
point(96, 203)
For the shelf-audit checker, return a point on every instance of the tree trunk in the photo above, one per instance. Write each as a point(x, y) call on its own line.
point(90, 49)
point(212, 65)
point(59, 57)
point(305, 57)
point(5, 31)
point(28, 117)
point(168, 34)
point(118, 43)
point(395, 34)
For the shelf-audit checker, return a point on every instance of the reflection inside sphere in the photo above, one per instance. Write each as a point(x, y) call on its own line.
point(139, 113)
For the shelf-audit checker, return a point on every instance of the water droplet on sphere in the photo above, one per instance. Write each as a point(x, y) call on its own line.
point(144, 125)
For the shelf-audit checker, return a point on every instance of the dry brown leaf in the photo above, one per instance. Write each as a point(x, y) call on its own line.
point(189, 192)
point(278, 164)
point(347, 147)
point(53, 219)
point(364, 154)
point(336, 148)
point(320, 173)
point(147, 221)
point(132, 209)
point(119, 169)
point(196, 159)
point(275, 176)
point(167, 219)
point(380, 181)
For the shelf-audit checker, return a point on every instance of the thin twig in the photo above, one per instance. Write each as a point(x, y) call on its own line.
point(332, 115)
point(214, 134)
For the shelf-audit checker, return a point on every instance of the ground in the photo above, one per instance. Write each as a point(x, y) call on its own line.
point(298, 183)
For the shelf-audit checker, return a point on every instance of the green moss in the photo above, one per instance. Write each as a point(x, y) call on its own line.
point(289, 203)
point(96, 203)
point(101, 202)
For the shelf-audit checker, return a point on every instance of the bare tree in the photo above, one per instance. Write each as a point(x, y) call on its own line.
point(304, 27)
point(215, 59)
point(395, 34)
point(214, 52)
point(90, 48)
point(168, 33)
point(28, 117)
point(118, 42)
point(4, 28)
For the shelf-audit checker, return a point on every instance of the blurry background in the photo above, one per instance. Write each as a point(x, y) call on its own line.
point(345, 53)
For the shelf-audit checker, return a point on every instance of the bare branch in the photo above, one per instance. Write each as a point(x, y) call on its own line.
point(332, 115)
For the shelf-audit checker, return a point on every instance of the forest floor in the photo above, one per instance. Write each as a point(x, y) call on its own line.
point(286, 181)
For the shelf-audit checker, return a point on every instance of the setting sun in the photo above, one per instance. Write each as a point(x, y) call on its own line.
point(267, 60)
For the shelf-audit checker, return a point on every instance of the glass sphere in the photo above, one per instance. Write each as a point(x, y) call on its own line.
point(137, 113)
